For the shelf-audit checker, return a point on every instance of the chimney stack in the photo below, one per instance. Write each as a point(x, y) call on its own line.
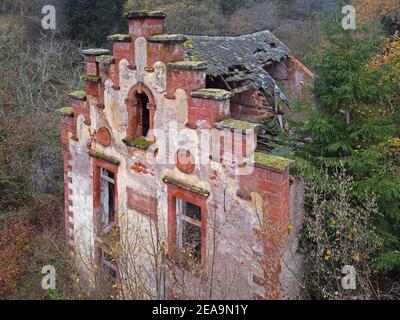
point(145, 23)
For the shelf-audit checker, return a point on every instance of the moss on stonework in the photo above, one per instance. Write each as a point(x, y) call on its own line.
point(188, 43)
point(91, 78)
point(105, 60)
point(102, 156)
point(212, 94)
point(120, 38)
point(234, 124)
point(188, 65)
point(79, 95)
point(186, 186)
point(268, 161)
point(167, 38)
point(196, 58)
point(140, 143)
point(66, 111)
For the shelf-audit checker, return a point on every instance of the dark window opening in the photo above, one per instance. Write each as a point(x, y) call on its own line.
point(144, 100)
point(107, 199)
point(189, 228)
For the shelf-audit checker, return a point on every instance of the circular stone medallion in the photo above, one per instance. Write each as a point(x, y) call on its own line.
point(185, 161)
point(104, 137)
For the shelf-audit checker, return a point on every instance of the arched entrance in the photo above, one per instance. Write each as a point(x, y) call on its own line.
point(141, 108)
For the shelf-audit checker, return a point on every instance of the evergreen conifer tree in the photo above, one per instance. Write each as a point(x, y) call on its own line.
point(356, 123)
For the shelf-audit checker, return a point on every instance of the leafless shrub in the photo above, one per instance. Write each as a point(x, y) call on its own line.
point(338, 232)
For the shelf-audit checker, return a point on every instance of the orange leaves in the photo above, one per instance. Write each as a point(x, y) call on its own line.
point(15, 235)
point(396, 143)
point(373, 10)
point(390, 53)
point(388, 60)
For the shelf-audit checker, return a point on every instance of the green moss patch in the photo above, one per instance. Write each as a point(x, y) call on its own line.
point(90, 78)
point(275, 163)
point(120, 38)
point(105, 60)
point(188, 43)
point(79, 95)
point(188, 65)
point(66, 111)
point(102, 156)
point(140, 143)
point(234, 124)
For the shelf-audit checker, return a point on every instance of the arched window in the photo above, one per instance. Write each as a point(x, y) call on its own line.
point(141, 109)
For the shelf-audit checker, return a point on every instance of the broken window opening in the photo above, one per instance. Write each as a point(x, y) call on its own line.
point(107, 199)
point(188, 217)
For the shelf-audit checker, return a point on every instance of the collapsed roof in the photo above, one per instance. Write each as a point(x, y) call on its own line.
point(240, 61)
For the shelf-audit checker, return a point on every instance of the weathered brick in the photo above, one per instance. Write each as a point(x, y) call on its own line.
point(142, 203)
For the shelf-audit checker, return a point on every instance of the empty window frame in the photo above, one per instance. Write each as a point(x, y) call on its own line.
point(107, 199)
point(189, 224)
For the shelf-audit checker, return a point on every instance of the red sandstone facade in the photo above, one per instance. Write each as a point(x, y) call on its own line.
point(242, 222)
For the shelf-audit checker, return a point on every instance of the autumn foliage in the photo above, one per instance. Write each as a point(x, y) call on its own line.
point(15, 236)
point(371, 10)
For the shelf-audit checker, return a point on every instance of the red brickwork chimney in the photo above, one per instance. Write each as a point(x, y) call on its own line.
point(145, 23)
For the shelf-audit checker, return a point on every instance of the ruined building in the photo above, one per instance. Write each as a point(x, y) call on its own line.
point(171, 190)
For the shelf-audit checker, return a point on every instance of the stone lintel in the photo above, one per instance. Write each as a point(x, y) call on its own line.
point(186, 186)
